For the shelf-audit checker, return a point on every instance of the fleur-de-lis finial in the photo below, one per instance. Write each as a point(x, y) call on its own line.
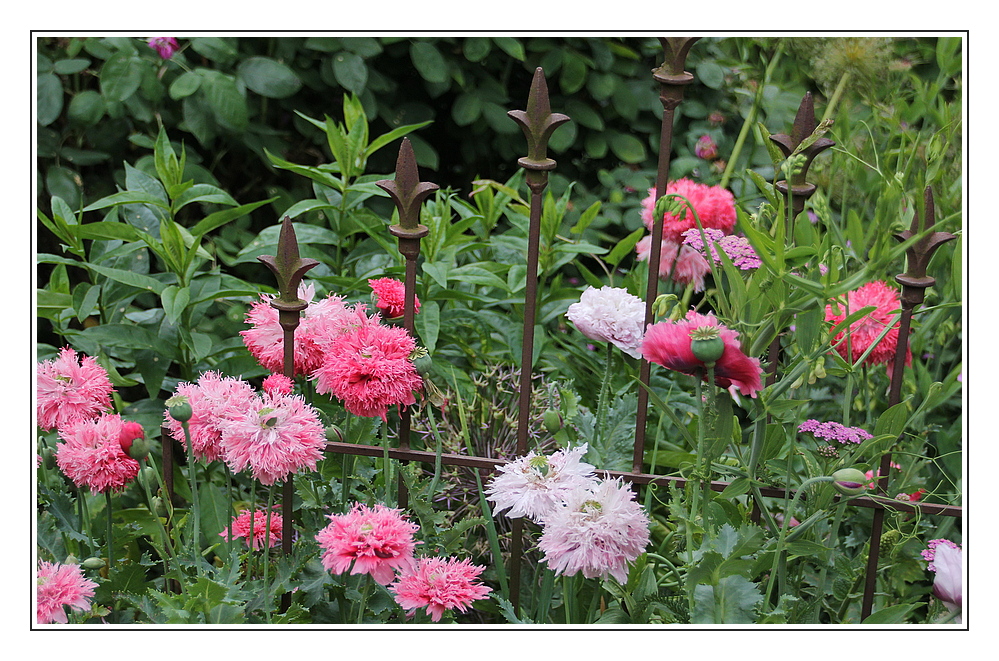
point(675, 51)
point(288, 268)
point(408, 193)
point(804, 126)
point(919, 254)
point(538, 124)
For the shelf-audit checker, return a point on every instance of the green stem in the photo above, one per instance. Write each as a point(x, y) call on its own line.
point(267, 554)
point(604, 396)
point(833, 534)
point(568, 597)
point(837, 93)
point(783, 532)
point(107, 506)
point(437, 454)
point(364, 597)
point(192, 468)
point(750, 121)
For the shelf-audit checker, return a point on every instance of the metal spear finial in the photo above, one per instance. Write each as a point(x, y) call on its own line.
point(288, 268)
point(804, 126)
point(538, 124)
point(919, 254)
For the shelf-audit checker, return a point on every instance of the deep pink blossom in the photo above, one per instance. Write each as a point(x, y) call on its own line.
point(90, 454)
point(714, 205)
point(864, 331)
point(375, 541)
point(59, 586)
point(390, 296)
point(129, 432)
point(71, 389)
point(215, 400)
point(597, 531)
point(252, 527)
point(669, 344)
point(164, 46)
point(369, 369)
point(439, 585)
point(278, 384)
point(275, 437)
point(679, 263)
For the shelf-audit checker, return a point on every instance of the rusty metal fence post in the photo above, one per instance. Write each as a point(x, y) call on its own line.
point(538, 124)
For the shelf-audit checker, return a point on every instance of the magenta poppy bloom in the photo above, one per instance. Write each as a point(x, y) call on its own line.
point(715, 207)
point(252, 527)
point(375, 541)
point(390, 296)
point(864, 331)
point(440, 585)
point(669, 344)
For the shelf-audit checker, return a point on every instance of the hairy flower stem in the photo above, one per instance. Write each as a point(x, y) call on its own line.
point(779, 554)
point(604, 395)
point(107, 506)
point(437, 454)
point(267, 553)
point(195, 510)
point(568, 597)
point(833, 534)
point(750, 121)
point(365, 591)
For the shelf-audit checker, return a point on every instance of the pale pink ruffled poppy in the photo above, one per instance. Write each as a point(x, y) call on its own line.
point(215, 400)
point(596, 532)
point(610, 314)
point(534, 485)
point(376, 541)
point(71, 389)
point(59, 586)
point(946, 561)
point(669, 344)
point(440, 584)
point(252, 527)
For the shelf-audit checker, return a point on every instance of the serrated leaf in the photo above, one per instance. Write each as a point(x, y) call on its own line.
point(731, 601)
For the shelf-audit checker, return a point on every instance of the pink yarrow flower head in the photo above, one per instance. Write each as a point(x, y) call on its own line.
point(677, 262)
point(277, 436)
point(534, 485)
point(319, 321)
point(164, 46)
point(597, 531)
point(369, 369)
point(610, 314)
point(669, 344)
point(91, 455)
point(440, 584)
point(71, 389)
point(714, 205)
point(946, 560)
point(215, 401)
point(376, 541)
point(736, 248)
point(864, 331)
point(59, 586)
point(252, 527)
point(834, 431)
point(390, 296)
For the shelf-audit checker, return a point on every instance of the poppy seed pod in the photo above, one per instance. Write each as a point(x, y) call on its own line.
point(706, 344)
point(179, 409)
point(850, 481)
point(139, 449)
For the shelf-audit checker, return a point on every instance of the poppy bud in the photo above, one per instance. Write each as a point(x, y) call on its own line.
point(130, 431)
point(159, 506)
point(48, 458)
point(552, 420)
point(850, 481)
point(148, 477)
point(139, 449)
point(334, 433)
point(93, 563)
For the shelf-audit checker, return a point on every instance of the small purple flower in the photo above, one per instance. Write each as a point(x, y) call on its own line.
point(165, 46)
point(737, 248)
point(834, 431)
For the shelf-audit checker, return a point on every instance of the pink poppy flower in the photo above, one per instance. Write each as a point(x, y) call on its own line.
point(59, 586)
point(679, 263)
point(535, 485)
point(164, 46)
point(91, 455)
point(375, 541)
point(252, 527)
point(276, 436)
point(320, 321)
point(612, 315)
point(390, 296)
point(70, 389)
point(714, 205)
point(946, 561)
point(215, 400)
point(278, 384)
point(669, 344)
point(369, 369)
point(864, 331)
point(596, 531)
point(440, 585)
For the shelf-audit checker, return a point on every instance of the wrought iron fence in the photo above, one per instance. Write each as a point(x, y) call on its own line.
point(538, 123)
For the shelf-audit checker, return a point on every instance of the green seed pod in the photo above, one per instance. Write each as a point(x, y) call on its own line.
point(850, 481)
point(179, 409)
point(708, 351)
point(423, 364)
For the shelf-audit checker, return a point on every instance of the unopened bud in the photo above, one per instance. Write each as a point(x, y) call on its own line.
point(552, 420)
point(148, 477)
point(139, 449)
point(159, 506)
point(664, 303)
point(93, 563)
point(850, 481)
point(334, 433)
point(48, 458)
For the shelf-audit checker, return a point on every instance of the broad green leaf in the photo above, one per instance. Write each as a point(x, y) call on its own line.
point(175, 300)
point(624, 247)
point(87, 107)
point(466, 108)
point(893, 420)
point(428, 62)
point(428, 322)
point(227, 104)
point(731, 601)
point(85, 298)
point(627, 147)
point(219, 218)
point(106, 230)
point(890, 615)
point(185, 85)
point(438, 271)
point(511, 46)
point(130, 278)
point(475, 49)
point(394, 134)
point(120, 76)
point(268, 77)
point(125, 197)
point(204, 193)
point(350, 71)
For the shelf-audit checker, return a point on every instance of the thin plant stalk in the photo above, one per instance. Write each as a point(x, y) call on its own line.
point(783, 532)
point(267, 552)
point(110, 541)
point(192, 469)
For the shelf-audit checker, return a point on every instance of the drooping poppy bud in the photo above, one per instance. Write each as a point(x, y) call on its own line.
point(850, 481)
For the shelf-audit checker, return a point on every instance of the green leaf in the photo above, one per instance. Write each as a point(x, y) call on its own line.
point(268, 77)
point(394, 134)
point(350, 71)
point(466, 109)
point(438, 271)
point(50, 98)
point(204, 193)
point(731, 601)
point(184, 85)
point(586, 218)
point(120, 76)
point(892, 421)
point(85, 299)
point(711, 74)
point(624, 247)
point(511, 46)
point(70, 66)
point(428, 62)
point(573, 74)
point(215, 220)
point(125, 197)
point(428, 323)
point(217, 49)
point(106, 230)
point(175, 300)
point(87, 108)
point(891, 615)
point(627, 147)
point(227, 104)
point(130, 278)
